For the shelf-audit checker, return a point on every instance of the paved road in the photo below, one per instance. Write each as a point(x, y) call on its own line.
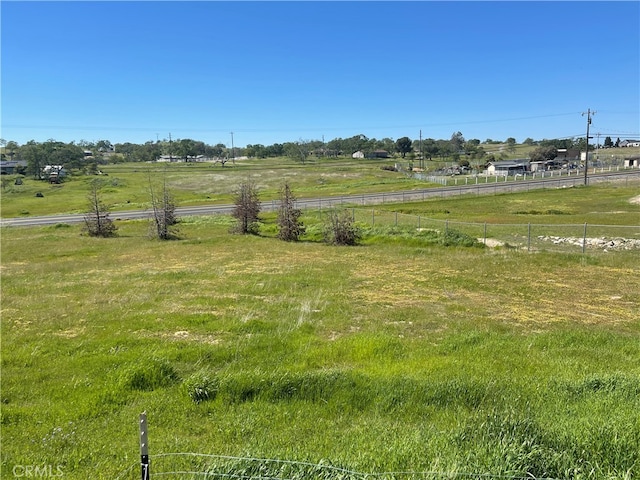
point(490, 188)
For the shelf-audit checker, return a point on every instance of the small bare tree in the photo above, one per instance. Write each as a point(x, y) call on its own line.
point(96, 221)
point(163, 218)
point(290, 227)
point(247, 209)
point(340, 228)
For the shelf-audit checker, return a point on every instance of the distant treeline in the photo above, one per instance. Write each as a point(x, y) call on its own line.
point(87, 156)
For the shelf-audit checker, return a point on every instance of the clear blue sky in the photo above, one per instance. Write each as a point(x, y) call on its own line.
point(273, 72)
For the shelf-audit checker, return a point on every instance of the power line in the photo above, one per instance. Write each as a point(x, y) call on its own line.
point(271, 130)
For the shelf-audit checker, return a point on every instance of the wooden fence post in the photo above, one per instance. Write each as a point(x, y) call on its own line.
point(144, 447)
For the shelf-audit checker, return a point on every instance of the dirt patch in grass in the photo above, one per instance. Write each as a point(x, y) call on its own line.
point(635, 200)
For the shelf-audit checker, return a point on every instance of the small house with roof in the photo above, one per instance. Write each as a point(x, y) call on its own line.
point(9, 167)
point(508, 167)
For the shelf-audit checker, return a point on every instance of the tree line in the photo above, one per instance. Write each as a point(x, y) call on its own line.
point(87, 156)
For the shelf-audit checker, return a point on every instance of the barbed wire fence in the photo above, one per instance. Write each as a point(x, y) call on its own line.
point(198, 466)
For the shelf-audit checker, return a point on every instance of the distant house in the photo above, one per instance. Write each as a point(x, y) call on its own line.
point(508, 167)
point(567, 155)
point(9, 167)
point(633, 162)
point(378, 154)
point(630, 143)
point(555, 164)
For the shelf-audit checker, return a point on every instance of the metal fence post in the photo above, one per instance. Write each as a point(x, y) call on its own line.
point(144, 447)
point(528, 237)
point(485, 233)
point(584, 238)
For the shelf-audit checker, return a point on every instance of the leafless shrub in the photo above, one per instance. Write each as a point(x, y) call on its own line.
point(290, 227)
point(247, 209)
point(96, 221)
point(163, 217)
point(340, 228)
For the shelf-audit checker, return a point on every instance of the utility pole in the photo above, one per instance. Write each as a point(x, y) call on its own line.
point(586, 155)
point(421, 154)
point(233, 150)
point(170, 149)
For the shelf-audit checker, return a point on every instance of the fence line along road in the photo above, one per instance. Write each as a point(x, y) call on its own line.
point(492, 187)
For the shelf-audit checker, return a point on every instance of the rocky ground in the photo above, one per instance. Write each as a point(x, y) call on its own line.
point(601, 243)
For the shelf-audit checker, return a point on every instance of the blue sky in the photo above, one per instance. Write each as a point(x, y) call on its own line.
point(273, 72)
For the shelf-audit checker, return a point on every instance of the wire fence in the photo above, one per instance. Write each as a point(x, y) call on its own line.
point(197, 466)
point(468, 186)
point(569, 238)
point(531, 237)
point(454, 180)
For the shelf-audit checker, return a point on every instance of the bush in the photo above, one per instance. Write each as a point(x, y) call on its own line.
point(340, 229)
point(454, 238)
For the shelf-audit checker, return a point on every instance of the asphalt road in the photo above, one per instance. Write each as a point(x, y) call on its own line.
point(467, 186)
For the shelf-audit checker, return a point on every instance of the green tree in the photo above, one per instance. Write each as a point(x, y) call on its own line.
point(444, 148)
point(542, 154)
point(104, 146)
point(299, 150)
point(511, 144)
point(36, 158)
point(149, 152)
point(457, 142)
point(11, 148)
point(429, 148)
point(403, 146)
point(608, 143)
point(127, 150)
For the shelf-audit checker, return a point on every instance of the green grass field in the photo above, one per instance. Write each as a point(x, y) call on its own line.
point(396, 355)
point(126, 186)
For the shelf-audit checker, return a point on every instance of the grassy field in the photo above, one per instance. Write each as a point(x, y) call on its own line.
point(397, 355)
point(127, 185)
